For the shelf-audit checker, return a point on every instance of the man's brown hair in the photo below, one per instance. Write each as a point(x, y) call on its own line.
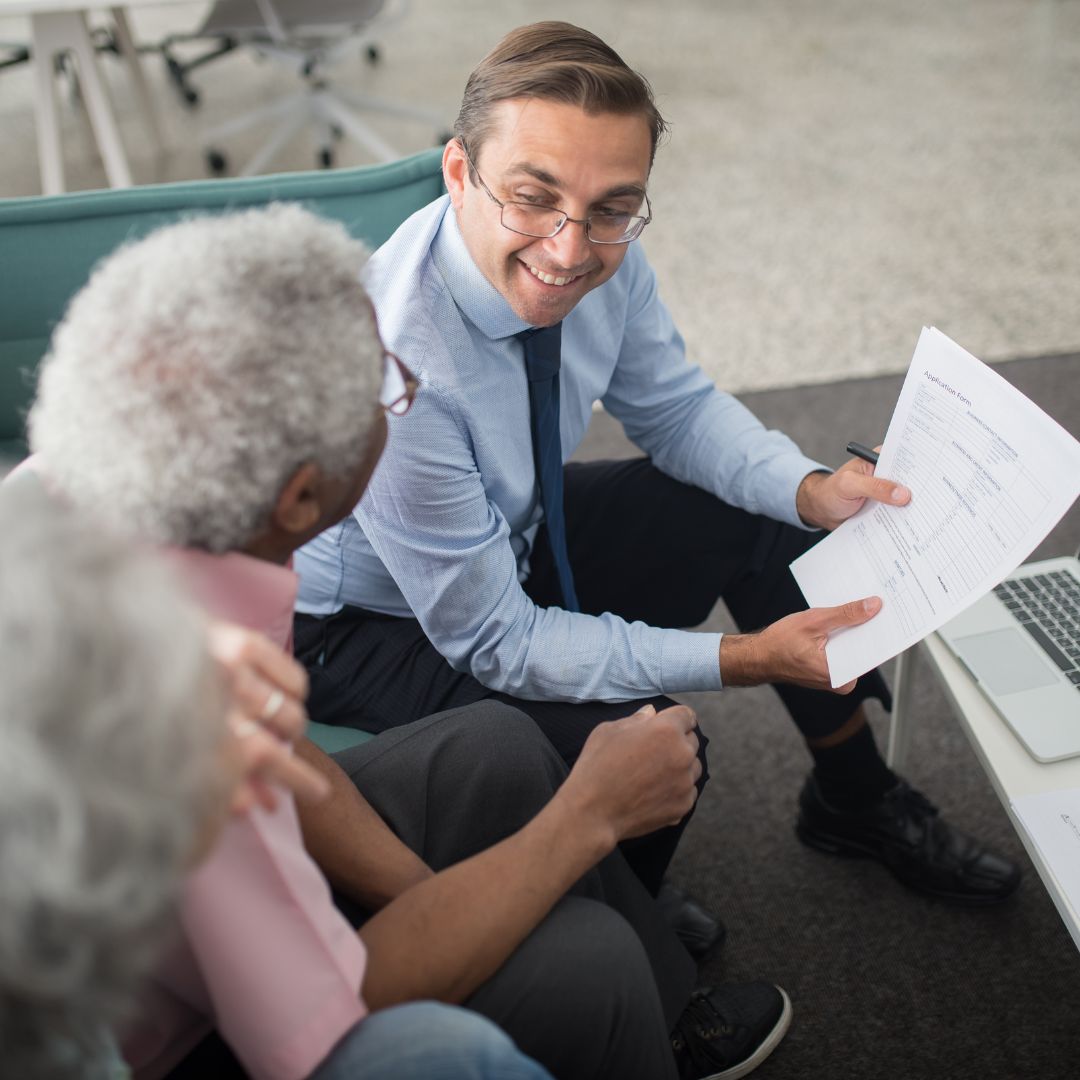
point(555, 61)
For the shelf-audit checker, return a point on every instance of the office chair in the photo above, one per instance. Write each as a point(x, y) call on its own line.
point(11, 54)
point(308, 36)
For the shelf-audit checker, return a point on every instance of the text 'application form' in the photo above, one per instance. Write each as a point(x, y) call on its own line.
point(990, 476)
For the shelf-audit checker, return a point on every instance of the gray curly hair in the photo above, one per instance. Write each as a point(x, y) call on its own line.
point(111, 741)
point(201, 366)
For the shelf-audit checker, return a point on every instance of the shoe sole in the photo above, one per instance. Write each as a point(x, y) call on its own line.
point(832, 844)
point(768, 1045)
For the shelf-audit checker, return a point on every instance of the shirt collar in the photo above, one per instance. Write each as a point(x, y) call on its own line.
point(235, 587)
point(241, 589)
point(477, 299)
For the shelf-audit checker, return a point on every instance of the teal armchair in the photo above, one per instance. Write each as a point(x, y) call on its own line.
point(49, 244)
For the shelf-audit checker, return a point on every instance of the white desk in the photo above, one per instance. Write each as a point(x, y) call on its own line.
point(1012, 770)
point(60, 26)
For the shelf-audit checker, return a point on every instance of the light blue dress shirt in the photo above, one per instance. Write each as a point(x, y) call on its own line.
point(445, 528)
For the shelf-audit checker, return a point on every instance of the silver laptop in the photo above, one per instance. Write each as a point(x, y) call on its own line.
point(1021, 643)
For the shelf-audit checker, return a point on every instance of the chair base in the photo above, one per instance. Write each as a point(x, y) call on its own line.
point(331, 111)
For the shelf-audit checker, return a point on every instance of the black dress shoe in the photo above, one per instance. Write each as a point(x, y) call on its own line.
point(696, 928)
point(904, 831)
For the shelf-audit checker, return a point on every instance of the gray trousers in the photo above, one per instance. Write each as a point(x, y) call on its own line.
point(594, 990)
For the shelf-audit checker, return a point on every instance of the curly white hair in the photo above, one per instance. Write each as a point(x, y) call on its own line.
point(201, 366)
point(111, 769)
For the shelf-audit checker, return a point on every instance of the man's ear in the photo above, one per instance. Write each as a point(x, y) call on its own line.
point(299, 506)
point(455, 167)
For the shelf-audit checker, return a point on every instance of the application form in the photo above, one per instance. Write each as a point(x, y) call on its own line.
point(990, 475)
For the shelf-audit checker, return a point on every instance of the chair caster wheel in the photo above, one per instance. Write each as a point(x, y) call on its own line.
point(188, 94)
point(216, 162)
point(326, 158)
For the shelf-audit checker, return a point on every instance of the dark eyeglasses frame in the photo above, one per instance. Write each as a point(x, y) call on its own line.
point(403, 403)
point(587, 222)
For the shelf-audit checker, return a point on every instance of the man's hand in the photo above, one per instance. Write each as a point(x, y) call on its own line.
point(266, 714)
point(638, 774)
point(827, 499)
point(792, 649)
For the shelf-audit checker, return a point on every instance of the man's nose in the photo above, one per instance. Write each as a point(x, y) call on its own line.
point(570, 246)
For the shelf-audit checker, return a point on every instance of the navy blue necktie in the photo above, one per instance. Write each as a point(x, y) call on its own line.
point(542, 361)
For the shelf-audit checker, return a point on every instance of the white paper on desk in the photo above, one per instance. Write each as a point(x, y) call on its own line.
point(1052, 819)
point(990, 475)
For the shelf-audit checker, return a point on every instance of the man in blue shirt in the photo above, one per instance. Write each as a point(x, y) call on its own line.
point(474, 568)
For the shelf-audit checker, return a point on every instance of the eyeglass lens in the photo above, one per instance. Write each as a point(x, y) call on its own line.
point(544, 221)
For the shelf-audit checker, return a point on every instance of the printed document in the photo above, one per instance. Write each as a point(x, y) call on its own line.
point(1052, 820)
point(990, 475)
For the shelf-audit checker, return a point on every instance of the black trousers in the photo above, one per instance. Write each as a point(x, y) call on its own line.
point(642, 546)
point(594, 990)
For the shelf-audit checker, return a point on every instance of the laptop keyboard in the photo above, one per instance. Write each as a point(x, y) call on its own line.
point(1048, 608)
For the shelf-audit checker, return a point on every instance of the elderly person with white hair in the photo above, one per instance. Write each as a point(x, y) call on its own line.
point(114, 775)
point(220, 389)
point(117, 771)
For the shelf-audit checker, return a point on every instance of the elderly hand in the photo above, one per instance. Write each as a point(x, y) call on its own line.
point(267, 685)
point(267, 713)
point(827, 499)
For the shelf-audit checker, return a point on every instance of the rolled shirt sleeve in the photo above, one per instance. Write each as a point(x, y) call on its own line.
point(283, 969)
point(263, 955)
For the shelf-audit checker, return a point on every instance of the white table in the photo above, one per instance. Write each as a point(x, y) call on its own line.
point(1012, 770)
point(60, 26)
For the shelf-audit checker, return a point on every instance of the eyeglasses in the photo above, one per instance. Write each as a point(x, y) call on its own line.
point(399, 385)
point(543, 222)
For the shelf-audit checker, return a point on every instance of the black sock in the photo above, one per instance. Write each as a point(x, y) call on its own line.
point(853, 773)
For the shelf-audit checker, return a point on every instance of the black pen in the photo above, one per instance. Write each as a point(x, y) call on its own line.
point(863, 452)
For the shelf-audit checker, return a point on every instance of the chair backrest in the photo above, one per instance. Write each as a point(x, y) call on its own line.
point(49, 245)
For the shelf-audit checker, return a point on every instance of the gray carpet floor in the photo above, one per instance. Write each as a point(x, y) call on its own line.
point(884, 983)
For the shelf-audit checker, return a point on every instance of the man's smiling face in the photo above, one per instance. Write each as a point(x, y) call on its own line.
point(549, 154)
